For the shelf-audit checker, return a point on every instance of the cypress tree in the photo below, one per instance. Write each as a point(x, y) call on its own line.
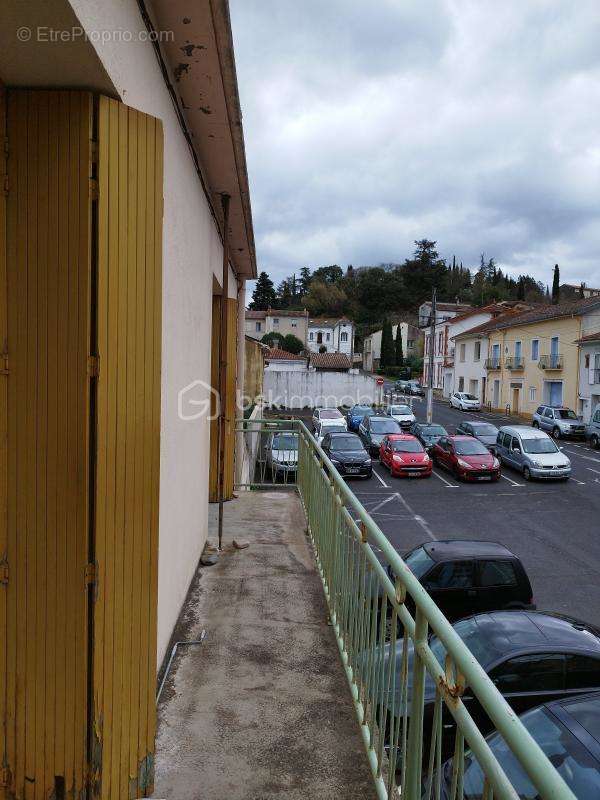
point(556, 285)
point(387, 346)
point(399, 347)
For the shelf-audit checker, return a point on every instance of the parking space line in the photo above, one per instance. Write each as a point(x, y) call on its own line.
point(417, 518)
point(593, 470)
point(379, 478)
point(588, 458)
point(510, 480)
point(448, 484)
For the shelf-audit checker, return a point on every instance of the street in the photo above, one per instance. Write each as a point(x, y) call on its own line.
point(553, 527)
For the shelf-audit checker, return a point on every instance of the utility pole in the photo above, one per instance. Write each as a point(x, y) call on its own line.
point(431, 355)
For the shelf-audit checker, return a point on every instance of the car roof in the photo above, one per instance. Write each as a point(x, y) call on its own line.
point(476, 423)
point(401, 437)
point(536, 630)
point(460, 548)
point(524, 430)
point(379, 416)
point(459, 437)
point(337, 434)
point(584, 709)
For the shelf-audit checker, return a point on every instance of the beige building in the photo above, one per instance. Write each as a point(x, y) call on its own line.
point(283, 322)
point(533, 357)
point(412, 345)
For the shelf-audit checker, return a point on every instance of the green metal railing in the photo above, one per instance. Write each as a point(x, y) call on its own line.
point(408, 688)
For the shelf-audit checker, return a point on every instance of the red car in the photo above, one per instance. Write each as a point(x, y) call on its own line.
point(405, 456)
point(467, 458)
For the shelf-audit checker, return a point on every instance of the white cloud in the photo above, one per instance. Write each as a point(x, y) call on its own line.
point(467, 121)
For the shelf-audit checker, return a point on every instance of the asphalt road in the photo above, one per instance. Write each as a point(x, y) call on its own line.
point(553, 527)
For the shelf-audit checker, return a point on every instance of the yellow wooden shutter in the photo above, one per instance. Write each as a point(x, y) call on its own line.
point(230, 399)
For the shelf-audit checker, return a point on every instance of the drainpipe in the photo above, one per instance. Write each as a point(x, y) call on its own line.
point(241, 388)
point(223, 362)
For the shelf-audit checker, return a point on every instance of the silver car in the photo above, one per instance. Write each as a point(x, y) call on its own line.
point(282, 453)
point(592, 432)
point(532, 452)
point(559, 422)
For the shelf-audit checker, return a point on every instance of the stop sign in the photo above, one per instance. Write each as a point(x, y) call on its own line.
point(379, 381)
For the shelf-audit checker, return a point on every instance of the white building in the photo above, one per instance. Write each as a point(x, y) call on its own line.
point(411, 340)
point(445, 312)
point(281, 361)
point(331, 335)
point(281, 322)
point(589, 374)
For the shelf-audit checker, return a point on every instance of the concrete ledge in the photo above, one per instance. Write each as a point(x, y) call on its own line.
point(262, 708)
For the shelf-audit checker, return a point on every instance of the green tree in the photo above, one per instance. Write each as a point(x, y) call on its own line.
point(424, 271)
point(292, 344)
point(332, 274)
point(388, 354)
point(272, 339)
point(556, 285)
point(399, 347)
point(305, 279)
point(264, 295)
point(325, 299)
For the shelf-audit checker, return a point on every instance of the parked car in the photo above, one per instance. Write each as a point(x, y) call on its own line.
point(484, 431)
point(415, 388)
point(532, 452)
point(428, 433)
point(372, 430)
point(402, 386)
point(403, 414)
point(346, 452)
point(465, 401)
point(282, 453)
point(568, 732)
point(404, 456)
point(467, 458)
point(356, 414)
point(467, 577)
point(559, 421)
point(327, 413)
point(592, 432)
point(531, 657)
point(328, 426)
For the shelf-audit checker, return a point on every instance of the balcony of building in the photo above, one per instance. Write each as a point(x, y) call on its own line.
point(515, 363)
point(552, 362)
point(285, 683)
point(493, 363)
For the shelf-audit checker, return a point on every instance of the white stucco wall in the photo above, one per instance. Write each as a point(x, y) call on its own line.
point(589, 391)
point(278, 365)
point(192, 254)
point(309, 388)
point(335, 343)
point(470, 370)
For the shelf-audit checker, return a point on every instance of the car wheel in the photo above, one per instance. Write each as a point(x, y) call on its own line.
point(594, 442)
point(527, 473)
point(556, 434)
point(535, 424)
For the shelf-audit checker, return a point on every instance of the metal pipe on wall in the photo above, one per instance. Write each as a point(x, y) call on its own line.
point(223, 362)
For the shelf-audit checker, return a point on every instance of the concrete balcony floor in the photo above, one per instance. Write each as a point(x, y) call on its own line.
point(262, 708)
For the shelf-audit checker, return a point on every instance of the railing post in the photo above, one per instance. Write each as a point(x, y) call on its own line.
point(414, 755)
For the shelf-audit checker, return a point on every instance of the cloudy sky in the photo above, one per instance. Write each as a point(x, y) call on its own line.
point(472, 122)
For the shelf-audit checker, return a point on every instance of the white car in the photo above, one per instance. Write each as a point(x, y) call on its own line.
point(329, 426)
point(402, 413)
point(282, 453)
point(320, 414)
point(465, 401)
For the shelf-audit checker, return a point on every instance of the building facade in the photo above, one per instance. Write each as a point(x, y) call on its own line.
point(137, 200)
point(412, 345)
point(534, 357)
point(330, 335)
point(589, 375)
point(442, 359)
point(282, 322)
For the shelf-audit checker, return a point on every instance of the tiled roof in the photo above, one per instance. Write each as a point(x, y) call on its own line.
point(495, 309)
point(330, 361)
point(250, 314)
point(274, 312)
point(323, 322)
point(275, 354)
point(590, 337)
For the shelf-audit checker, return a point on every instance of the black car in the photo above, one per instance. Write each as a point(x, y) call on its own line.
point(467, 577)
point(484, 431)
point(568, 732)
point(372, 431)
point(415, 388)
point(530, 656)
point(428, 433)
point(347, 454)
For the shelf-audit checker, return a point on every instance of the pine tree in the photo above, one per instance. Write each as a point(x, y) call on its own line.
point(264, 295)
point(399, 347)
point(388, 355)
point(556, 286)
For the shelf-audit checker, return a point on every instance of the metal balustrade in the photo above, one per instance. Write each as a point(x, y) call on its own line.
point(389, 658)
point(552, 361)
point(493, 363)
point(515, 362)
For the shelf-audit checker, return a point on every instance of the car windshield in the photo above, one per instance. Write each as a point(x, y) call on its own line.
point(483, 647)
point(469, 397)
point(406, 446)
point(539, 446)
point(566, 413)
point(400, 410)
point(384, 426)
point(419, 562)
point(329, 413)
point(285, 441)
point(485, 430)
point(361, 410)
point(470, 448)
point(346, 443)
point(572, 760)
point(433, 430)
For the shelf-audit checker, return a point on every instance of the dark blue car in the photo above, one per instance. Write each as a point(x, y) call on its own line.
point(355, 416)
